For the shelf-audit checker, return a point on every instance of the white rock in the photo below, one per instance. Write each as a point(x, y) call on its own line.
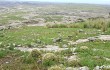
point(69, 68)
point(84, 68)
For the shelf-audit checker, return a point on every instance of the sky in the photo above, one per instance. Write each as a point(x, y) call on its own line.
point(71, 1)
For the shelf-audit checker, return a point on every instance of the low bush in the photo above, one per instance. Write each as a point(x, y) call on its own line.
point(49, 59)
point(36, 55)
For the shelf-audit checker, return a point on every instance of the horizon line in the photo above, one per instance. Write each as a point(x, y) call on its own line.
point(55, 2)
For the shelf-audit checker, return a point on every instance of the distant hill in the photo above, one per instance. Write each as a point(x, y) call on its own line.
point(14, 3)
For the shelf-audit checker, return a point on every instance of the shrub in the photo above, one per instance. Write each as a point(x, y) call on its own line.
point(73, 61)
point(66, 52)
point(71, 25)
point(49, 59)
point(97, 23)
point(36, 55)
point(104, 27)
point(11, 46)
point(27, 59)
point(3, 53)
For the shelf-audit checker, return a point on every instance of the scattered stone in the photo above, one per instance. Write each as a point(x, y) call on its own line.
point(104, 37)
point(64, 46)
point(47, 48)
point(80, 31)
point(74, 57)
point(107, 59)
point(84, 48)
point(97, 68)
point(6, 62)
point(70, 36)
point(74, 53)
point(102, 67)
point(69, 68)
point(82, 41)
point(2, 28)
point(84, 68)
point(91, 39)
point(77, 68)
point(78, 41)
point(57, 40)
point(19, 45)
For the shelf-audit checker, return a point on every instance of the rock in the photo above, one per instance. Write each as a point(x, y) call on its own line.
point(97, 68)
point(104, 37)
point(2, 28)
point(69, 68)
point(107, 59)
point(80, 31)
point(57, 40)
point(74, 57)
point(82, 41)
point(64, 46)
point(91, 39)
point(74, 53)
point(81, 68)
point(70, 36)
point(19, 45)
point(102, 67)
point(84, 68)
point(6, 62)
point(84, 48)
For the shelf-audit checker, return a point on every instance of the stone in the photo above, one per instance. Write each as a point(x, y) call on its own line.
point(102, 67)
point(80, 31)
point(82, 41)
point(97, 68)
point(57, 40)
point(6, 62)
point(64, 46)
point(84, 68)
point(91, 39)
point(104, 37)
point(84, 48)
point(70, 36)
point(69, 68)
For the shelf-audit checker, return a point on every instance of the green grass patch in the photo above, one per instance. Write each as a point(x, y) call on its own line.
point(28, 35)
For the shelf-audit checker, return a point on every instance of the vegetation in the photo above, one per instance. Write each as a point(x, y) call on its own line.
point(49, 59)
point(98, 23)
